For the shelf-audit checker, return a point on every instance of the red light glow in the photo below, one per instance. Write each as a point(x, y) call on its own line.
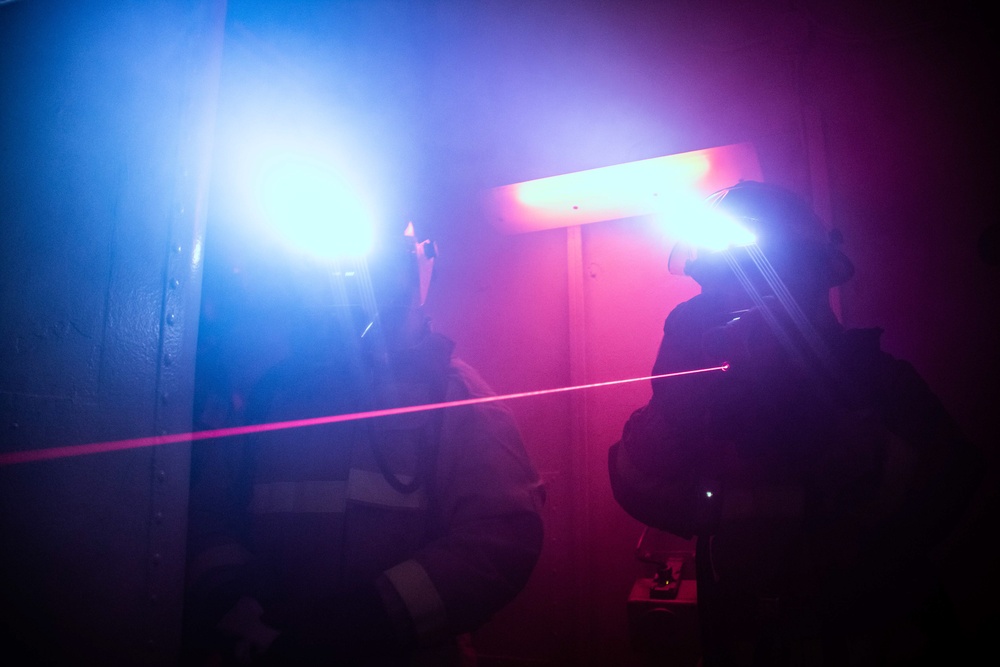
point(664, 185)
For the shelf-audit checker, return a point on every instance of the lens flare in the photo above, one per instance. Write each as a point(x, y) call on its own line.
point(312, 206)
point(713, 230)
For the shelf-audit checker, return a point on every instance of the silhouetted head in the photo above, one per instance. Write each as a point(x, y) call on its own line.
point(791, 242)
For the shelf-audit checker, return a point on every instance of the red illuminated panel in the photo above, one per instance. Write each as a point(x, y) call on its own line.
point(654, 186)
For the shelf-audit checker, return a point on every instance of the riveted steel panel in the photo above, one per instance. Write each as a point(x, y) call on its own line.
point(105, 125)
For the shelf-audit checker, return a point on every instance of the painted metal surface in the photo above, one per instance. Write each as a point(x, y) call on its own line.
point(104, 126)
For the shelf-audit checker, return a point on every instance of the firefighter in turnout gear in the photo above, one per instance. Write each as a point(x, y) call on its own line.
point(382, 541)
point(817, 474)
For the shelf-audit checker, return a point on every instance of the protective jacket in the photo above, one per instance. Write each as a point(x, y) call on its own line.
point(379, 541)
point(817, 475)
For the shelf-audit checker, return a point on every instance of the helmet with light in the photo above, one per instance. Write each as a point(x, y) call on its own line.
point(344, 269)
point(751, 230)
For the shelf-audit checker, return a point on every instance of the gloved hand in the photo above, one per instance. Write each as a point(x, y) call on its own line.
point(325, 639)
point(250, 636)
point(206, 603)
point(749, 339)
point(352, 628)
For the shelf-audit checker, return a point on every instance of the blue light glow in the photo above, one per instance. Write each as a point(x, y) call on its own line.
point(313, 206)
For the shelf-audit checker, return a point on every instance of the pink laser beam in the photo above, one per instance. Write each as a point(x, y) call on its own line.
point(11, 458)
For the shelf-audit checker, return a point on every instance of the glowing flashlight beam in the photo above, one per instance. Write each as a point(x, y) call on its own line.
point(11, 458)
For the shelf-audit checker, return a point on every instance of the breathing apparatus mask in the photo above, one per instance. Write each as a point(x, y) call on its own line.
point(391, 296)
point(367, 304)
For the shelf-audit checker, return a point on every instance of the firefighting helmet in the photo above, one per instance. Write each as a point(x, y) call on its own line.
point(783, 226)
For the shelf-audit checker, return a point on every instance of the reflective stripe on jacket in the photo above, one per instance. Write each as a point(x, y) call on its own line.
point(440, 509)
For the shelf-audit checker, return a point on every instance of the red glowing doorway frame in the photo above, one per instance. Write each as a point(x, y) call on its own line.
point(627, 190)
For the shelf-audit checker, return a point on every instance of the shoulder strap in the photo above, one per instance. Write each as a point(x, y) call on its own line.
point(427, 363)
